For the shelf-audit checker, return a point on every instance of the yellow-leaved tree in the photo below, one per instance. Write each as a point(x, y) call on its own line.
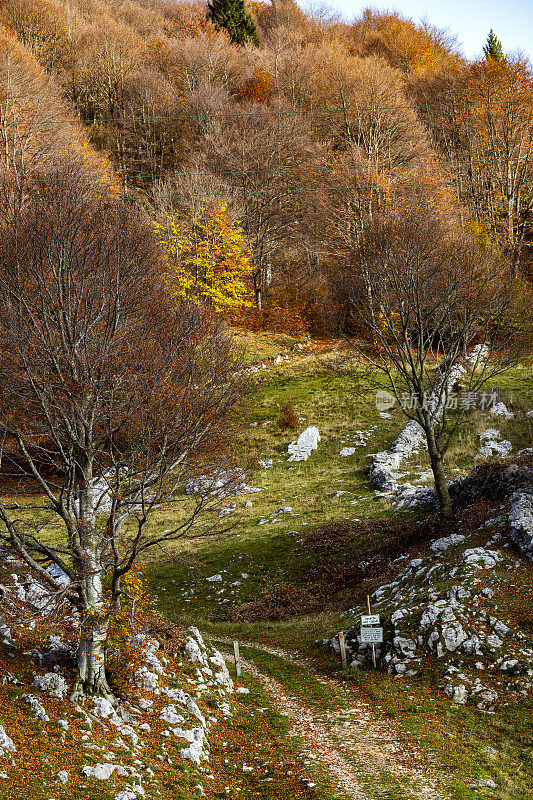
point(208, 257)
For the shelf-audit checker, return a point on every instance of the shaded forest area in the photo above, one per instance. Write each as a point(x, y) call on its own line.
point(260, 168)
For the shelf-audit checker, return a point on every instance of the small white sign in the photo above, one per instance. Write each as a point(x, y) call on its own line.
point(374, 635)
point(370, 619)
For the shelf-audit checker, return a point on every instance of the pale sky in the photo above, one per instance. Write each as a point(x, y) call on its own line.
point(511, 20)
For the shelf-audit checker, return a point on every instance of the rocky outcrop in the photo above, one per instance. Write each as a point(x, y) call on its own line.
point(521, 521)
point(443, 609)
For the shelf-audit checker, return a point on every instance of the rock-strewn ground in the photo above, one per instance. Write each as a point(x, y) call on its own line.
point(446, 605)
point(179, 687)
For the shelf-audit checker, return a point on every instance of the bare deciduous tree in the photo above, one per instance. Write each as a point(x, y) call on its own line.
point(109, 401)
point(432, 307)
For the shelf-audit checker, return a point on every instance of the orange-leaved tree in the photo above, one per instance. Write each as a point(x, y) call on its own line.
point(208, 257)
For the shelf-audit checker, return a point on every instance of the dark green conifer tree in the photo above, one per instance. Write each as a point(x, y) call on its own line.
point(493, 49)
point(232, 16)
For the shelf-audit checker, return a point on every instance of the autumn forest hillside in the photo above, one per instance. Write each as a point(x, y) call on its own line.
point(260, 168)
point(265, 366)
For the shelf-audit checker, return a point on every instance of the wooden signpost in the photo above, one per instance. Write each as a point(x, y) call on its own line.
point(369, 634)
point(342, 645)
point(237, 654)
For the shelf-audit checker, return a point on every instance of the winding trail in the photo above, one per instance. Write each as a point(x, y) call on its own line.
point(359, 749)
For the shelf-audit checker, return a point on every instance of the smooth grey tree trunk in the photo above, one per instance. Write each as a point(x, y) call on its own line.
point(91, 678)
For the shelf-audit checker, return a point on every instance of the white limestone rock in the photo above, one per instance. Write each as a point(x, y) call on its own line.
point(493, 448)
point(224, 483)
point(499, 627)
point(481, 558)
point(153, 663)
point(5, 742)
point(521, 521)
point(404, 647)
point(491, 433)
point(429, 616)
point(472, 646)
point(169, 714)
point(103, 708)
point(408, 495)
point(447, 541)
point(308, 440)
point(222, 676)
point(347, 451)
point(198, 748)
point(144, 679)
point(51, 683)
point(194, 651)
point(103, 772)
point(453, 635)
point(384, 465)
point(36, 707)
point(458, 694)
point(499, 409)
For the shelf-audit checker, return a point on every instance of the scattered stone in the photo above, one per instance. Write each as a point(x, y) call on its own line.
point(103, 772)
point(500, 410)
point(447, 541)
point(490, 433)
point(493, 448)
point(300, 450)
point(197, 750)
point(224, 483)
point(458, 694)
point(51, 683)
point(453, 636)
point(5, 742)
point(481, 558)
point(36, 707)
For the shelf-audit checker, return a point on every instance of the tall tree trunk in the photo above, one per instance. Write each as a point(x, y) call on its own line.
point(441, 484)
point(91, 678)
